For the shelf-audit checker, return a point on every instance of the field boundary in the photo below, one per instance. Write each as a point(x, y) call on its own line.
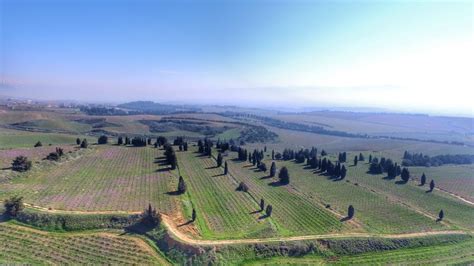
point(174, 231)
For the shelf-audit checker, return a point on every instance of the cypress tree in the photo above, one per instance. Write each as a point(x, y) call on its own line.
point(262, 204)
point(350, 212)
point(405, 175)
point(78, 141)
point(355, 160)
point(273, 154)
point(273, 169)
point(432, 185)
point(219, 159)
point(370, 158)
point(226, 168)
point(343, 172)
point(193, 218)
point(181, 185)
point(423, 179)
point(441, 215)
point(120, 141)
point(269, 210)
point(284, 176)
point(84, 144)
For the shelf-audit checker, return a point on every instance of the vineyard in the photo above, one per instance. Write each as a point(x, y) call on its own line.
point(23, 245)
point(106, 178)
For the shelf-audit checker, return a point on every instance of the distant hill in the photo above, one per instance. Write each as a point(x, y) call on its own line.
point(150, 107)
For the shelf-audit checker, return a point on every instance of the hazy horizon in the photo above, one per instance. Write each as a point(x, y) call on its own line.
point(399, 56)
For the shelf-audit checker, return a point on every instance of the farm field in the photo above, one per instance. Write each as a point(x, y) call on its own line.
point(23, 139)
point(459, 253)
point(106, 178)
point(24, 245)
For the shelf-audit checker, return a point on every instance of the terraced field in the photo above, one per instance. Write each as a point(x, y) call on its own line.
point(106, 178)
point(23, 245)
point(222, 211)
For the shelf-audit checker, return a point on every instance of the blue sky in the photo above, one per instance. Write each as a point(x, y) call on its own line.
point(305, 53)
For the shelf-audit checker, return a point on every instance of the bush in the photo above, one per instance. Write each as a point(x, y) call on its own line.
point(13, 206)
point(243, 187)
point(21, 164)
point(103, 139)
point(38, 144)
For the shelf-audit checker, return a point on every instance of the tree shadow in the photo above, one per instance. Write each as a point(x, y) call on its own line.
point(263, 216)
point(439, 220)
point(8, 168)
point(347, 218)
point(186, 223)
point(164, 169)
point(388, 178)
point(429, 191)
point(257, 211)
point(401, 182)
point(420, 185)
point(266, 177)
point(217, 175)
point(173, 193)
point(211, 167)
point(276, 184)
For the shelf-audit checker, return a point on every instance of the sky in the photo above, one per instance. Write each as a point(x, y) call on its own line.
point(400, 55)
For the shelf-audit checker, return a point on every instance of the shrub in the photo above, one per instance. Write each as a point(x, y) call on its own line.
point(103, 139)
point(21, 164)
point(13, 206)
point(243, 187)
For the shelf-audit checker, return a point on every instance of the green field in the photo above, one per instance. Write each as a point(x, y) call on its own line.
point(23, 245)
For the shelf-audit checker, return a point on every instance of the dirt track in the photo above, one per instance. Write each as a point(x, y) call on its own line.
point(173, 230)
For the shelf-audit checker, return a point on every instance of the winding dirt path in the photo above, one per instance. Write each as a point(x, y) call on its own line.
point(174, 231)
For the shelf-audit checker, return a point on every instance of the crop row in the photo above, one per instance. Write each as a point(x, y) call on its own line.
point(27, 245)
point(225, 211)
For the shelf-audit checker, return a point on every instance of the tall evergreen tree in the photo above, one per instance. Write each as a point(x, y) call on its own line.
point(269, 210)
point(120, 141)
point(103, 139)
point(423, 179)
point(350, 212)
point(273, 154)
point(355, 160)
point(84, 144)
point(262, 204)
point(193, 217)
point(432, 185)
point(273, 169)
point(361, 157)
point(284, 176)
point(405, 175)
point(226, 168)
point(78, 141)
point(441, 215)
point(370, 158)
point(219, 159)
point(181, 185)
point(343, 172)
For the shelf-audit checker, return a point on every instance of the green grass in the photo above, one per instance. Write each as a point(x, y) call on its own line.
point(222, 211)
point(293, 212)
point(459, 253)
point(102, 178)
point(23, 139)
point(376, 210)
point(22, 245)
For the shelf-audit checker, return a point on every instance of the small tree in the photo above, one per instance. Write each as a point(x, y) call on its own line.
point(343, 172)
point(219, 159)
point(78, 141)
point(432, 185)
point(243, 187)
point(103, 139)
point(263, 167)
point(350, 212)
point(269, 210)
point(440, 215)
point(405, 175)
point(21, 164)
point(226, 168)
point(150, 216)
point(13, 206)
point(273, 169)
point(284, 176)
point(181, 185)
point(193, 216)
point(355, 160)
point(38, 144)
point(423, 179)
point(120, 141)
point(84, 144)
point(262, 204)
